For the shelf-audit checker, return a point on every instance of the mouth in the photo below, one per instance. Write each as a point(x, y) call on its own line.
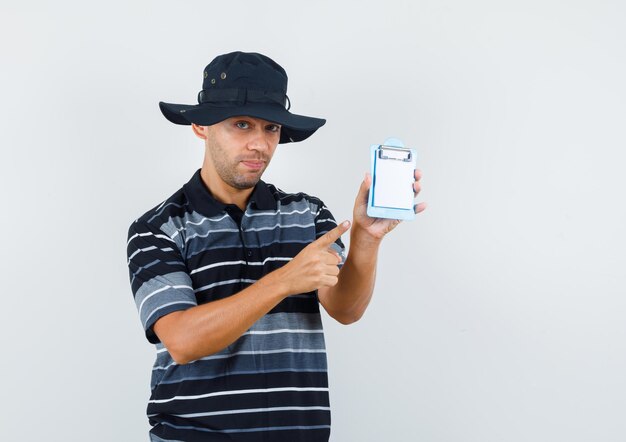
point(253, 164)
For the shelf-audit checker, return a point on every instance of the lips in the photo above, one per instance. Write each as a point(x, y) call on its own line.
point(253, 164)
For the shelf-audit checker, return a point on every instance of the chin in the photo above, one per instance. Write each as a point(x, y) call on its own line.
point(245, 184)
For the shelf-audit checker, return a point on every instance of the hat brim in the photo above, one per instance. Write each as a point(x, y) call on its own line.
point(293, 127)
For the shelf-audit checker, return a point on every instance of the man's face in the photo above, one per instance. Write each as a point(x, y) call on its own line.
point(240, 149)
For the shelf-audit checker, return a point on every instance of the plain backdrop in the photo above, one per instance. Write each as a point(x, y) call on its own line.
point(499, 313)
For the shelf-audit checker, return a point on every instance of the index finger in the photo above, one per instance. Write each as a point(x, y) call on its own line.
point(330, 237)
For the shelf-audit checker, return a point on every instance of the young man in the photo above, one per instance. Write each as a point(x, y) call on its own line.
point(228, 273)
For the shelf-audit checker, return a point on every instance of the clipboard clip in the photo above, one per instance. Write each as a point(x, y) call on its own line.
point(394, 153)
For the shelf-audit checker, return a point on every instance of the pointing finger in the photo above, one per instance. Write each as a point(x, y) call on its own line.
point(333, 235)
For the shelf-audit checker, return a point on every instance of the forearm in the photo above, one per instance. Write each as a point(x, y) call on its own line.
point(208, 328)
point(348, 300)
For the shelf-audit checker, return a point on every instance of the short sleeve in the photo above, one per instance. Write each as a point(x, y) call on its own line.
point(159, 278)
point(324, 223)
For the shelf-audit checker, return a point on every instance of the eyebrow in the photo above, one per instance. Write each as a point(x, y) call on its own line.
point(252, 120)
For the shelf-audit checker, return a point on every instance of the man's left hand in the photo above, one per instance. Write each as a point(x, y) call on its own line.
point(376, 228)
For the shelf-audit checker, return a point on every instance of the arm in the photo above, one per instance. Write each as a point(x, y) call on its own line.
point(348, 299)
point(206, 329)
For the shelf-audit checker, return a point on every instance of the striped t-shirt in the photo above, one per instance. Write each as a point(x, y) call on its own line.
point(271, 384)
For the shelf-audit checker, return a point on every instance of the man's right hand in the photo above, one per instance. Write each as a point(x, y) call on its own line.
point(316, 265)
point(208, 328)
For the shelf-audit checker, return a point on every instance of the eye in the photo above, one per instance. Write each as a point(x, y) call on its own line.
point(273, 127)
point(242, 124)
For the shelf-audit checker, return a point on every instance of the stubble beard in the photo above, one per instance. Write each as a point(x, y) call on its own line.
point(228, 171)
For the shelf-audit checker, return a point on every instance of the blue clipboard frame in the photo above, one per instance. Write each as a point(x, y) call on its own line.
point(387, 212)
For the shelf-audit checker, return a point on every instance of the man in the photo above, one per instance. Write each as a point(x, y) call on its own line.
point(228, 273)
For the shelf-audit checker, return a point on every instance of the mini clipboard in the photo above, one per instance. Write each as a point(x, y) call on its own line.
point(393, 173)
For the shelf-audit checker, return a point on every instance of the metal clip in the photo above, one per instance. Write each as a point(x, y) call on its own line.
point(394, 153)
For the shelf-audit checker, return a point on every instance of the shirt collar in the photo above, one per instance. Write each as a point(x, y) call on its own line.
point(202, 201)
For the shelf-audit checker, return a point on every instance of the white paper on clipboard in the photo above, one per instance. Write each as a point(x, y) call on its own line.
point(394, 178)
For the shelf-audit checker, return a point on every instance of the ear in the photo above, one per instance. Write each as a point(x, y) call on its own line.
point(200, 131)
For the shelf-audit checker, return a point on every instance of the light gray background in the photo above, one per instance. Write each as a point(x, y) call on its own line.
point(498, 314)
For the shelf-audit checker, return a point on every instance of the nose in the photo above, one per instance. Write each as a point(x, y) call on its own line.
point(260, 140)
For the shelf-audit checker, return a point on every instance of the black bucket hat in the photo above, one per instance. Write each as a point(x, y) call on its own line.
point(244, 84)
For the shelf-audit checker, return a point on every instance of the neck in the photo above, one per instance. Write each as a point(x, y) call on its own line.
point(223, 192)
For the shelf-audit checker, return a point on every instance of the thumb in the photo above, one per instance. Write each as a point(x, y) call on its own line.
point(363, 194)
point(330, 237)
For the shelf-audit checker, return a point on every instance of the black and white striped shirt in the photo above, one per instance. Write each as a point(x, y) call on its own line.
point(269, 385)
